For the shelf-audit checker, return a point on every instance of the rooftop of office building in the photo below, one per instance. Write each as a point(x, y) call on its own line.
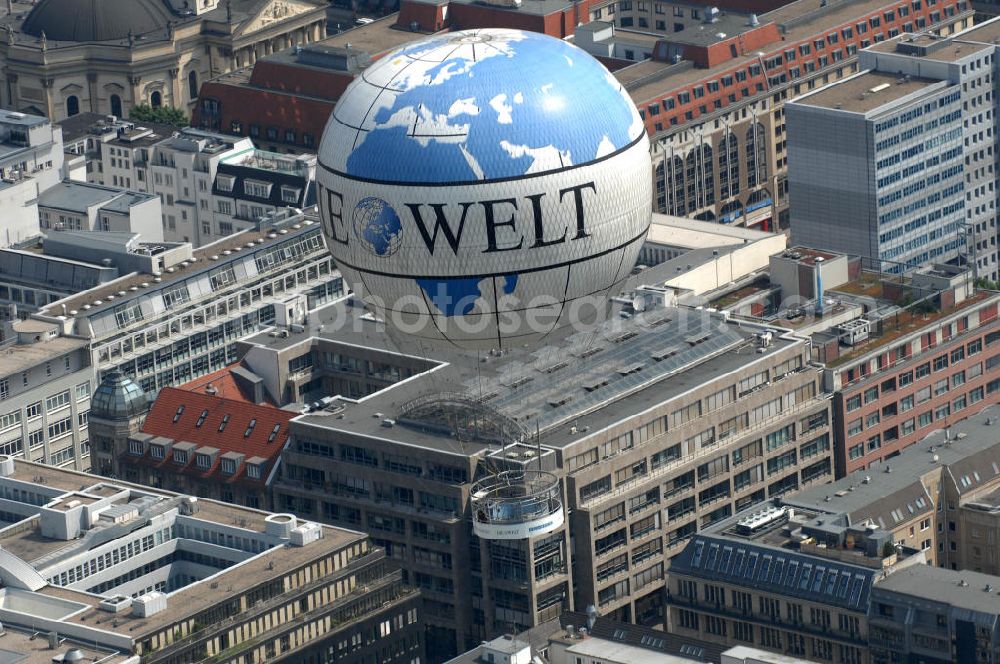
point(80, 197)
point(104, 127)
point(795, 21)
point(17, 357)
point(107, 561)
point(868, 91)
point(891, 491)
point(201, 260)
point(576, 385)
point(19, 645)
point(962, 589)
point(930, 46)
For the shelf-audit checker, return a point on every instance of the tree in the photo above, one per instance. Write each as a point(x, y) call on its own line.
point(162, 114)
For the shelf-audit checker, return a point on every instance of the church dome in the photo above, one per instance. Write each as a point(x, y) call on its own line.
point(117, 398)
point(95, 20)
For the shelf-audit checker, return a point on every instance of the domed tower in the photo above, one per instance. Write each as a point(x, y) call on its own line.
point(96, 20)
point(117, 410)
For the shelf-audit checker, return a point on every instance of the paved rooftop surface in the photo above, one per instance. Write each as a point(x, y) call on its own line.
point(802, 19)
point(590, 379)
point(19, 646)
point(939, 585)
point(80, 197)
point(938, 49)
point(858, 498)
point(867, 92)
point(25, 541)
point(15, 358)
point(203, 261)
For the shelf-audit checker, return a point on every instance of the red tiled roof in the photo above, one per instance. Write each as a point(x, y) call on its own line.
point(187, 408)
point(225, 386)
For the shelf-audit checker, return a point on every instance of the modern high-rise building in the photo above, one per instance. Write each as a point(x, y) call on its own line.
point(895, 164)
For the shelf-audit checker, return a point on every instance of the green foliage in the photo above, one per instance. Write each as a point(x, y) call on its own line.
point(986, 284)
point(888, 549)
point(162, 114)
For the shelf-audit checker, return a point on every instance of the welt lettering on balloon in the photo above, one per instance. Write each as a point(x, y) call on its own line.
point(508, 222)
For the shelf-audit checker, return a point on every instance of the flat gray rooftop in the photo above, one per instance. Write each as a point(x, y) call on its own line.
point(18, 646)
point(15, 358)
point(374, 39)
point(867, 92)
point(587, 379)
point(929, 46)
point(26, 542)
point(79, 197)
point(940, 585)
point(896, 481)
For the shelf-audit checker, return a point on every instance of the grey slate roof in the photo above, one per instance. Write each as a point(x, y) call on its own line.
point(779, 571)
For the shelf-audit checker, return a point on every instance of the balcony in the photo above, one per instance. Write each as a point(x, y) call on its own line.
point(517, 504)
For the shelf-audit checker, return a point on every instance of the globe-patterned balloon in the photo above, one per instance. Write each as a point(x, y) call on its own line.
point(480, 187)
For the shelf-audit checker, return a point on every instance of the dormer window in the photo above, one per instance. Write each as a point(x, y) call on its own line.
point(135, 447)
point(228, 466)
point(257, 188)
point(290, 194)
point(156, 451)
point(203, 461)
point(253, 471)
point(225, 182)
point(180, 457)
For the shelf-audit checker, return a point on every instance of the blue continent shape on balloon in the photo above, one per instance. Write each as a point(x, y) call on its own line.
point(457, 297)
point(508, 114)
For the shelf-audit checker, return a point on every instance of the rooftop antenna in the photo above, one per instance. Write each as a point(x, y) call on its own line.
point(538, 444)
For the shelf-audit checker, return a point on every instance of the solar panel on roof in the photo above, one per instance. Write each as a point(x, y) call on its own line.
point(696, 339)
point(663, 353)
point(630, 369)
point(624, 336)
